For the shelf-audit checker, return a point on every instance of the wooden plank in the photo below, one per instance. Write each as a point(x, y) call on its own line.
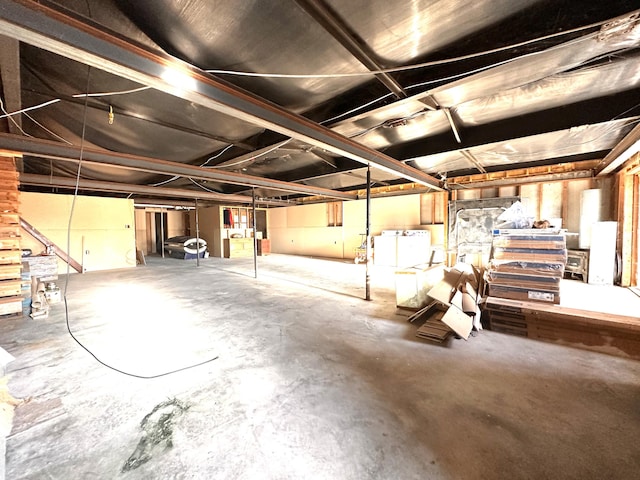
point(635, 240)
point(9, 305)
point(12, 243)
point(562, 313)
point(565, 201)
point(7, 163)
point(10, 181)
point(9, 205)
point(10, 257)
point(10, 272)
point(10, 288)
point(625, 220)
point(9, 219)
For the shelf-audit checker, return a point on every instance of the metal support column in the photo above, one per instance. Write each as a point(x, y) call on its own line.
point(162, 232)
point(197, 237)
point(255, 238)
point(367, 287)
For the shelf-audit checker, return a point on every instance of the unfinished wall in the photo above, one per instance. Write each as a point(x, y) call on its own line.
point(141, 230)
point(209, 223)
point(102, 231)
point(176, 223)
point(304, 230)
point(146, 227)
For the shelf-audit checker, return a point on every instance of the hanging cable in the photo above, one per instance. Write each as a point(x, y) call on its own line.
point(46, 129)
point(175, 177)
point(12, 120)
point(66, 284)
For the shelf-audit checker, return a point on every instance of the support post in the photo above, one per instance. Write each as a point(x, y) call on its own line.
point(367, 287)
point(197, 237)
point(162, 232)
point(255, 239)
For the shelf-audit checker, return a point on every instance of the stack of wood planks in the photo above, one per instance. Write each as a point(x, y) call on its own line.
point(602, 332)
point(527, 265)
point(10, 252)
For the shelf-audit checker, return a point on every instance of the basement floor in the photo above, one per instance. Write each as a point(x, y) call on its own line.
point(310, 381)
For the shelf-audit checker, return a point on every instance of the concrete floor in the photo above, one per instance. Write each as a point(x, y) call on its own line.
point(310, 382)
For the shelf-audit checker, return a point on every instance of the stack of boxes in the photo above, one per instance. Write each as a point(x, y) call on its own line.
point(527, 265)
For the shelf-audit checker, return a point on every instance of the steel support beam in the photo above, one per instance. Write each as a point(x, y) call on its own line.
point(56, 150)
point(79, 39)
point(113, 187)
point(328, 19)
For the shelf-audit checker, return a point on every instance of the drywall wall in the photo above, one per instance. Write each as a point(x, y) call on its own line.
point(209, 223)
point(176, 223)
point(303, 230)
point(102, 229)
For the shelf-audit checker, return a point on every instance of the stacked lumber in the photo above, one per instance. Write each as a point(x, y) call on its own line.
point(434, 329)
point(10, 252)
point(527, 265)
point(601, 332)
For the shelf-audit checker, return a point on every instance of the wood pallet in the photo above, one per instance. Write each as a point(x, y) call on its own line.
point(434, 330)
point(607, 333)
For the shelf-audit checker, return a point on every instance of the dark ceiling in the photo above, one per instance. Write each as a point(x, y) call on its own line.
point(310, 91)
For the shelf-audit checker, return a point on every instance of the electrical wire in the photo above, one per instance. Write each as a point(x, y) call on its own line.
point(77, 95)
point(47, 130)
point(111, 94)
point(12, 120)
point(407, 67)
point(66, 284)
point(34, 107)
point(201, 186)
point(175, 177)
point(279, 145)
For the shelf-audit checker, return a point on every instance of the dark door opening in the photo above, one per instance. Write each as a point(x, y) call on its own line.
point(261, 222)
point(161, 231)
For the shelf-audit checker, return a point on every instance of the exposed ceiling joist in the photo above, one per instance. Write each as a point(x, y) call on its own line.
point(49, 149)
point(97, 186)
point(338, 29)
point(621, 153)
point(88, 43)
point(548, 173)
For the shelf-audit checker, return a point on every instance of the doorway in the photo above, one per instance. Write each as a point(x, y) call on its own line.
point(261, 222)
point(161, 231)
